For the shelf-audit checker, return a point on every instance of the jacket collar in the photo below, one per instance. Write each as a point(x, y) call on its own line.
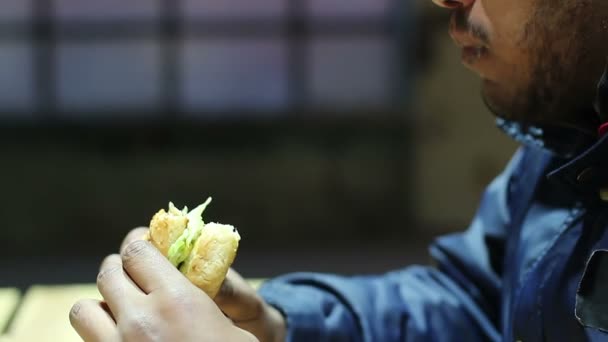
point(587, 173)
point(585, 166)
point(561, 141)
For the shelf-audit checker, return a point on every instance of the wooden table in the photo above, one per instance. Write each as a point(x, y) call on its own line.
point(9, 298)
point(42, 314)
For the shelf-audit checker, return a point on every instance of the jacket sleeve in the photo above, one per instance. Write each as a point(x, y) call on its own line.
point(456, 299)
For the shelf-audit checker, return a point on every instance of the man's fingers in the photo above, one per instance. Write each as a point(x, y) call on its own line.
point(114, 284)
point(134, 235)
point(93, 322)
point(238, 300)
point(149, 269)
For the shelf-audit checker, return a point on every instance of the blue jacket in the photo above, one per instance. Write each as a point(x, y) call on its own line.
point(533, 266)
point(528, 268)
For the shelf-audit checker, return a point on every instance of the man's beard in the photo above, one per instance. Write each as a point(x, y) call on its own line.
point(564, 68)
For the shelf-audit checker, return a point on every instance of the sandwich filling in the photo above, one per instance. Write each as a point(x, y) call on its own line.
point(181, 248)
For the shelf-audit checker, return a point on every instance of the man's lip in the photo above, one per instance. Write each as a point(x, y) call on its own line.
point(465, 40)
point(462, 37)
point(471, 54)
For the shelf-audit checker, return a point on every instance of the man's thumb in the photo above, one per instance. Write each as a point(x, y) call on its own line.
point(238, 300)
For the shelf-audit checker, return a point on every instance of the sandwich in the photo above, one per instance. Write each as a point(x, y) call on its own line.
point(203, 252)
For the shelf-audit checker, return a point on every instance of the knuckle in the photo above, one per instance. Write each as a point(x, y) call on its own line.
point(112, 259)
point(75, 311)
point(178, 301)
point(105, 274)
point(140, 328)
point(134, 250)
point(175, 295)
point(136, 234)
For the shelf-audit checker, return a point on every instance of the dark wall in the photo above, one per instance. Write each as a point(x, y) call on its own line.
point(76, 190)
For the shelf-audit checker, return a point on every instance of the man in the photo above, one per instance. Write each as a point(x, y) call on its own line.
point(532, 266)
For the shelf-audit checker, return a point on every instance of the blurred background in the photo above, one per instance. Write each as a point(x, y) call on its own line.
point(337, 135)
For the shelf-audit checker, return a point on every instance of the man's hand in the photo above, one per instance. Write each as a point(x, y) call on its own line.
point(96, 321)
point(147, 299)
point(247, 309)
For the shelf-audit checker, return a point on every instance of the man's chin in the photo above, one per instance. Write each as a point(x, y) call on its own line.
point(500, 101)
point(491, 96)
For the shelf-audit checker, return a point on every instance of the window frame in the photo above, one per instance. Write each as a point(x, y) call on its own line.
point(297, 29)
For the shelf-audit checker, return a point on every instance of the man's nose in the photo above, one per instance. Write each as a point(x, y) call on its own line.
point(452, 4)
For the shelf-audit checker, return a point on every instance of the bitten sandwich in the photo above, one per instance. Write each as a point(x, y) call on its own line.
point(203, 252)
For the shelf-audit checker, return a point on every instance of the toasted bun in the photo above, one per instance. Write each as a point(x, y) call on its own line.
point(166, 228)
point(208, 258)
point(211, 257)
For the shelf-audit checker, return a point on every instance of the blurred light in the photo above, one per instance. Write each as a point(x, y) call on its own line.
point(234, 74)
point(108, 75)
point(351, 72)
point(193, 9)
point(338, 8)
point(16, 78)
point(106, 9)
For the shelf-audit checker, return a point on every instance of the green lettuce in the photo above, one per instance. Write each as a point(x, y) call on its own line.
point(181, 248)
